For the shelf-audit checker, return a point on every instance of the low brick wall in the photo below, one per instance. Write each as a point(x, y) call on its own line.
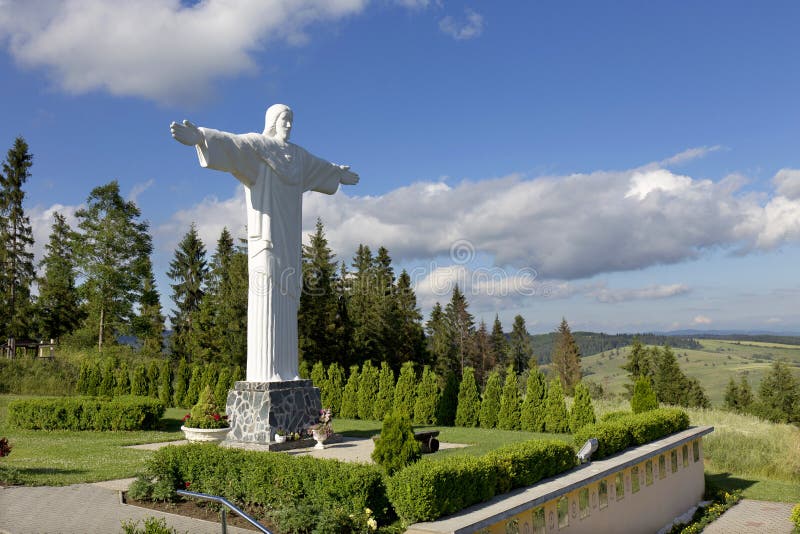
point(639, 490)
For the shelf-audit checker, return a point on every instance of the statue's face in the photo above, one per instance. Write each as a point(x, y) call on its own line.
point(283, 126)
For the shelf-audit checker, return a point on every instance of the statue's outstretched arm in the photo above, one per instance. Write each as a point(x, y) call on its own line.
point(348, 176)
point(186, 133)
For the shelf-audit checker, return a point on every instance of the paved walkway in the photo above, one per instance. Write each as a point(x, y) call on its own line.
point(749, 517)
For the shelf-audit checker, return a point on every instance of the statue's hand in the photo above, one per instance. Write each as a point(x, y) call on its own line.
point(348, 176)
point(186, 133)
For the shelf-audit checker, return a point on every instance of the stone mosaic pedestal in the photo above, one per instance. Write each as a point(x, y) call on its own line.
point(257, 409)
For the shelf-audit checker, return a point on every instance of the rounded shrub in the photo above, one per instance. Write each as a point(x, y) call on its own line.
point(396, 447)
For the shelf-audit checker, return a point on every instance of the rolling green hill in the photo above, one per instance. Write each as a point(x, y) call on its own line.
point(712, 364)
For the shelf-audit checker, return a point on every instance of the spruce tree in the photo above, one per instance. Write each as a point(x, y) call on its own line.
point(462, 328)
point(484, 356)
point(469, 403)
point(509, 416)
point(188, 270)
point(223, 386)
point(108, 382)
point(368, 386)
point(427, 398)
point(732, 396)
point(670, 382)
point(519, 348)
point(644, 398)
point(182, 376)
point(582, 412)
point(165, 384)
point(448, 401)
point(318, 378)
point(439, 340)
point(113, 254)
point(490, 403)
point(148, 325)
point(153, 372)
point(695, 394)
point(745, 401)
point(334, 386)
point(193, 390)
point(139, 381)
point(410, 338)
point(556, 417)
point(350, 395)
point(58, 305)
point(385, 401)
point(566, 357)
point(16, 244)
point(123, 386)
point(779, 395)
point(499, 343)
point(533, 407)
point(405, 390)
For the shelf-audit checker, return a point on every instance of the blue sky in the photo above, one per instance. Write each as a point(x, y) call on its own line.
point(630, 166)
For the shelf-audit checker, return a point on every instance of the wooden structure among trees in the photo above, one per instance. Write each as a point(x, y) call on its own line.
point(40, 349)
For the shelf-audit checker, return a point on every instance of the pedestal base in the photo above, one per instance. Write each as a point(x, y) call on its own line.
point(257, 409)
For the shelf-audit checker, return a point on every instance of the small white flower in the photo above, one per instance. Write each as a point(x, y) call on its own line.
point(372, 524)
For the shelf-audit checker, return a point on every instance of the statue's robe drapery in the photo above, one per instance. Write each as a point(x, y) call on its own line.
point(275, 177)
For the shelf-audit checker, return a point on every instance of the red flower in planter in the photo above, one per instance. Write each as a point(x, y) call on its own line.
point(187, 484)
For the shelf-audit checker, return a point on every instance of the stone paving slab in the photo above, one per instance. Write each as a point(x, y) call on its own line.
point(82, 509)
point(749, 517)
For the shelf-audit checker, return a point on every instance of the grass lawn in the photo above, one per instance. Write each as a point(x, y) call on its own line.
point(57, 458)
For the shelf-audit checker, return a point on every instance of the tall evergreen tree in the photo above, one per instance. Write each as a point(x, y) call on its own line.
point(364, 312)
point(335, 388)
point(439, 340)
point(368, 386)
point(490, 402)
point(533, 407)
point(779, 395)
point(566, 358)
point(448, 401)
point(427, 398)
point(148, 325)
point(640, 362)
point(113, 254)
point(462, 327)
point(405, 391)
point(499, 343)
point(520, 350)
point(746, 399)
point(484, 355)
point(16, 243)
point(469, 403)
point(319, 304)
point(188, 270)
point(385, 401)
point(670, 382)
point(582, 412)
point(644, 398)
point(508, 418)
point(556, 417)
point(350, 394)
point(409, 343)
point(58, 306)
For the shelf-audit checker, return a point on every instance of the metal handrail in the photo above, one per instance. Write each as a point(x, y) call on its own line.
point(229, 504)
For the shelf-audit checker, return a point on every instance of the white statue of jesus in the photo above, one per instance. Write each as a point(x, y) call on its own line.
point(275, 174)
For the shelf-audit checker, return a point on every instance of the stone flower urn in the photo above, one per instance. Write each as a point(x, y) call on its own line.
point(205, 435)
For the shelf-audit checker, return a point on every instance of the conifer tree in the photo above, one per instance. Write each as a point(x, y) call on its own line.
point(193, 390)
point(113, 254)
point(58, 305)
point(469, 404)
point(16, 243)
point(81, 385)
point(153, 372)
point(108, 382)
point(732, 396)
point(462, 327)
point(318, 301)
point(582, 412)
point(182, 376)
point(490, 403)
point(385, 401)
point(94, 376)
point(439, 340)
point(519, 349)
point(566, 358)
point(556, 417)
point(148, 325)
point(188, 271)
point(427, 398)
point(210, 376)
point(644, 398)
point(396, 446)
point(695, 395)
point(448, 401)
point(410, 339)
point(533, 407)
point(334, 386)
point(670, 382)
point(224, 385)
point(368, 386)
point(139, 381)
point(499, 343)
point(484, 355)
point(405, 390)
point(165, 384)
point(123, 386)
point(640, 362)
point(318, 378)
point(745, 401)
point(509, 416)
point(779, 395)
point(350, 395)
point(364, 311)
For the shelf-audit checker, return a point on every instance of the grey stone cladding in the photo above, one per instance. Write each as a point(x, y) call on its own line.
point(257, 409)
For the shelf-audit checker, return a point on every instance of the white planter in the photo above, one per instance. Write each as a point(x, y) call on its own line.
point(279, 438)
point(320, 437)
point(205, 435)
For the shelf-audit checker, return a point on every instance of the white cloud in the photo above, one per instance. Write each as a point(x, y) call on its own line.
point(157, 49)
point(42, 224)
point(690, 154)
point(702, 320)
point(138, 189)
point(643, 293)
point(787, 183)
point(469, 27)
point(661, 180)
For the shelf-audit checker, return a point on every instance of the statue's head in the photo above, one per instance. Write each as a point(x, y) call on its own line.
point(278, 121)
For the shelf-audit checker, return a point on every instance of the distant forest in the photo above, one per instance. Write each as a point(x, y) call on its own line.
point(594, 342)
point(759, 338)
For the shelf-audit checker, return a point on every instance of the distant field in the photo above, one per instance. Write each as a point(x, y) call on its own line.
point(713, 365)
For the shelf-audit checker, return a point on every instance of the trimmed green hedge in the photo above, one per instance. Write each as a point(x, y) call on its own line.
point(428, 490)
point(298, 493)
point(625, 431)
point(86, 413)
